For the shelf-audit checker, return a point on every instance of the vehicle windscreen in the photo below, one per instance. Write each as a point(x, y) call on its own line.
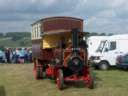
point(125, 59)
point(101, 46)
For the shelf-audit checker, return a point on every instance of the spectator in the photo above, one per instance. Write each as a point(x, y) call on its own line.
point(14, 56)
point(29, 55)
point(26, 55)
point(7, 55)
point(21, 56)
point(17, 55)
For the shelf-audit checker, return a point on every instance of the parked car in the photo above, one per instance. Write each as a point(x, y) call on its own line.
point(2, 57)
point(122, 61)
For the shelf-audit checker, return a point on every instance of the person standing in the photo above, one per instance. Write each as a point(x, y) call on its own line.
point(17, 55)
point(30, 55)
point(21, 56)
point(25, 55)
point(7, 55)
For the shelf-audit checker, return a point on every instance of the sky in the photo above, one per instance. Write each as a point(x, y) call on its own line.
point(108, 16)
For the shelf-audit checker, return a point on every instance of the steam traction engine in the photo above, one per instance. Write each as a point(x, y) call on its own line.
point(59, 51)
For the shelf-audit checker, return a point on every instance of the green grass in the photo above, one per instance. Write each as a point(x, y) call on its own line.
point(18, 80)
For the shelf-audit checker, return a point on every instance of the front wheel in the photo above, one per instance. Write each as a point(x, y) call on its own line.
point(103, 65)
point(60, 80)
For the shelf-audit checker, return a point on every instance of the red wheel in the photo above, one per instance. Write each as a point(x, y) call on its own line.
point(60, 80)
point(90, 83)
point(38, 71)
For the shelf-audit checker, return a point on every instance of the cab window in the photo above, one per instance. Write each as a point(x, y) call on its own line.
point(112, 45)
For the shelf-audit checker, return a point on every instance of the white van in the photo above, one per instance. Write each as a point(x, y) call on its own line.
point(108, 50)
point(93, 43)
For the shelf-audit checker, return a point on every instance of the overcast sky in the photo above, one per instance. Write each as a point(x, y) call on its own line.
point(110, 16)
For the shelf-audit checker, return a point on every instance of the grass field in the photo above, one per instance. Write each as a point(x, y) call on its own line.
point(18, 80)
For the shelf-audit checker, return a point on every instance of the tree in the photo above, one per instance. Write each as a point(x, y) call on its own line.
point(1, 35)
point(110, 34)
point(2, 48)
point(18, 35)
point(102, 34)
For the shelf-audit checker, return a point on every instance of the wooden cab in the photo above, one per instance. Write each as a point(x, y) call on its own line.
point(47, 33)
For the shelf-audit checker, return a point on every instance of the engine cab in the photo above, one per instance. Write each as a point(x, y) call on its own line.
point(61, 52)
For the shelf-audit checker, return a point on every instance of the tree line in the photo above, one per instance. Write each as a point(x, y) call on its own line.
point(88, 34)
point(20, 35)
point(15, 39)
point(15, 35)
point(19, 39)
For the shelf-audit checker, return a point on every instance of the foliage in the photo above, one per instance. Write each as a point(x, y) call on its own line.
point(18, 35)
point(16, 39)
point(2, 48)
point(1, 34)
point(88, 34)
point(19, 39)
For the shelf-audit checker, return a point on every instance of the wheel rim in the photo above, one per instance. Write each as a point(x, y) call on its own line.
point(37, 71)
point(59, 80)
point(58, 83)
point(104, 66)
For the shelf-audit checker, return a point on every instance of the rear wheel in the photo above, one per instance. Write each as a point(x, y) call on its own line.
point(38, 70)
point(60, 80)
point(103, 65)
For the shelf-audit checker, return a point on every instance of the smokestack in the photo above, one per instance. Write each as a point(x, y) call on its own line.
point(75, 39)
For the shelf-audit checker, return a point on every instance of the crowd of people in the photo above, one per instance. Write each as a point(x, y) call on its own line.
point(16, 55)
